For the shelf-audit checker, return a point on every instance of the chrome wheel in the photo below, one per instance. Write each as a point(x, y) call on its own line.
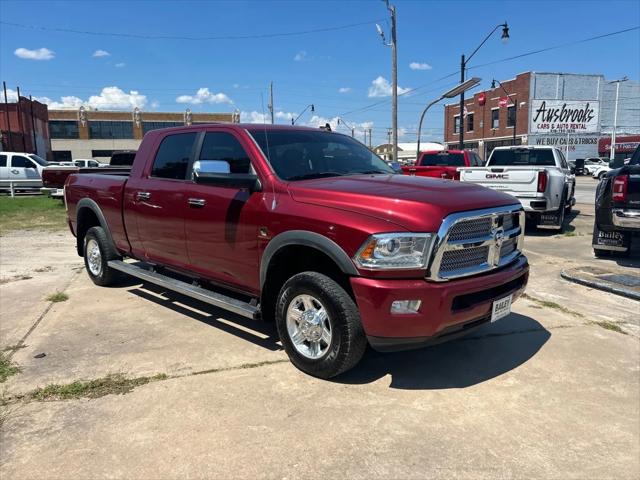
point(308, 326)
point(94, 258)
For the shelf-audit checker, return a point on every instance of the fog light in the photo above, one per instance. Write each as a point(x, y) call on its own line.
point(406, 306)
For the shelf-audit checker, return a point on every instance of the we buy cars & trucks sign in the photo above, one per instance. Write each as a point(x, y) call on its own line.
point(563, 116)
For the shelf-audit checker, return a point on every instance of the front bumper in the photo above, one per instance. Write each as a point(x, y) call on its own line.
point(448, 309)
point(626, 218)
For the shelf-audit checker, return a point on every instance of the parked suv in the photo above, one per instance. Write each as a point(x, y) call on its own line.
point(443, 163)
point(306, 227)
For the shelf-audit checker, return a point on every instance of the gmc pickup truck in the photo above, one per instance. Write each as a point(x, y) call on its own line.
point(539, 177)
point(617, 209)
point(309, 229)
point(443, 164)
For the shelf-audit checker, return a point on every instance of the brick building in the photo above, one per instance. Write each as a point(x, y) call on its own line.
point(570, 111)
point(24, 127)
point(85, 133)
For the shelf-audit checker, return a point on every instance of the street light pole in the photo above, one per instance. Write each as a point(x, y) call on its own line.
point(612, 152)
point(313, 109)
point(463, 66)
point(394, 83)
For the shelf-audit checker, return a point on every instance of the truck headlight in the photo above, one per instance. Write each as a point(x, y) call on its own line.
point(395, 251)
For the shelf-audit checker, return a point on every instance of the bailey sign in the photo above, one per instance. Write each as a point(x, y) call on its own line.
point(562, 116)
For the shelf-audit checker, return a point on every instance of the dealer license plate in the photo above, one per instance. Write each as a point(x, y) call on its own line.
point(611, 239)
point(501, 308)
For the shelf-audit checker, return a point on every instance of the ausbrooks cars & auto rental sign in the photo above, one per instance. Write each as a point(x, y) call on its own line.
point(563, 116)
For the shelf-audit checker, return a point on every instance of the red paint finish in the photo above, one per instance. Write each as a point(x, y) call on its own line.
point(447, 172)
point(374, 298)
point(224, 240)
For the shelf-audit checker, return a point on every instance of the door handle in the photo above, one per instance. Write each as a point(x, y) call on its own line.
point(15, 172)
point(143, 195)
point(197, 202)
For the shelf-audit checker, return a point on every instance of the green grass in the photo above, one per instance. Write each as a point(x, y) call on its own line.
point(7, 368)
point(610, 326)
point(31, 213)
point(554, 305)
point(111, 384)
point(57, 297)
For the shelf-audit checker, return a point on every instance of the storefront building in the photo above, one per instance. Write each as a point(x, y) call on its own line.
point(570, 111)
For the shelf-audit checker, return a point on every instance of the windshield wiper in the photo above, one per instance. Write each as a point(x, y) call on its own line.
point(371, 172)
point(309, 176)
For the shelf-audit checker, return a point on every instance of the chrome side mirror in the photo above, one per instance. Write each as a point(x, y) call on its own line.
point(211, 166)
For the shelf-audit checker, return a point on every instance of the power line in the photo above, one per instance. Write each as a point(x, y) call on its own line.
point(179, 37)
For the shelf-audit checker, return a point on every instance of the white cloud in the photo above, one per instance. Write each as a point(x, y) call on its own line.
point(100, 53)
point(110, 98)
point(259, 117)
point(155, 104)
point(120, 65)
point(419, 66)
point(37, 54)
point(203, 95)
point(301, 56)
point(344, 89)
point(12, 95)
point(380, 87)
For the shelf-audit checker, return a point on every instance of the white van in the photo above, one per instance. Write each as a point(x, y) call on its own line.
point(23, 170)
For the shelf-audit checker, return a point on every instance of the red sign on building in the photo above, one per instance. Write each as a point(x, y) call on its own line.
point(482, 99)
point(504, 101)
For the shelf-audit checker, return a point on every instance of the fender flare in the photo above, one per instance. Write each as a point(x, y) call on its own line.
point(95, 208)
point(306, 239)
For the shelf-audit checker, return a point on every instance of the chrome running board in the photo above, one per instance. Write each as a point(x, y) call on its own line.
point(212, 298)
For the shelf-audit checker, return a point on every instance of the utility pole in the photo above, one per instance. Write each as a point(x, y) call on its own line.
point(612, 152)
point(394, 83)
point(370, 139)
point(271, 101)
point(6, 112)
point(461, 122)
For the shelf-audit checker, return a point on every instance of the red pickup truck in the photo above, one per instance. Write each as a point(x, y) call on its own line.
point(443, 163)
point(309, 229)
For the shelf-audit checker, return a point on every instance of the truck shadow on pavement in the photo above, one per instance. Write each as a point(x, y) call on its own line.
point(259, 333)
point(487, 353)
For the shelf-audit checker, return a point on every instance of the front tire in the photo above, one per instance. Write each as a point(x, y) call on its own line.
point(97, 253)
point(319, 325)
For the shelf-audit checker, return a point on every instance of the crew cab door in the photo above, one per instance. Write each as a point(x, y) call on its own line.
point(221, 223)
point(157, 202)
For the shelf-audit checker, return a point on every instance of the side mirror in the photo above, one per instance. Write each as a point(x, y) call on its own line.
point(211, 166)
point(217, 173)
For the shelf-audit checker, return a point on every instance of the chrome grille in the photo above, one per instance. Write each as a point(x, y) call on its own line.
point(468, 229)
point(473, 242)
point(466, 258)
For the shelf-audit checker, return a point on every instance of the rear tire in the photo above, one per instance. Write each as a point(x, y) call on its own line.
point(319, 325)
point(562, 210)
point(97, 252)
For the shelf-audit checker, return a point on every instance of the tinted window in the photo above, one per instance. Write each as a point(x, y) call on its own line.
point(444, 159)
point(20, 162)
point(224, 146)
point(39, 160)
point(3, 160)
point(122, 159)
point(532, 157)
point(100, 129)
point(93, 164)
point(173, 156)
point(63, 129)
point(304, 154)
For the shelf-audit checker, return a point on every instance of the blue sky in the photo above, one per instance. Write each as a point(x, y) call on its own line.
point(338, 71)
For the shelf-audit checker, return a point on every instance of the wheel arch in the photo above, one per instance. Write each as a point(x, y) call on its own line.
point(89, 214)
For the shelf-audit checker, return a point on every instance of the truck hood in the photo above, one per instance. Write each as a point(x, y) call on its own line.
point(415, 203)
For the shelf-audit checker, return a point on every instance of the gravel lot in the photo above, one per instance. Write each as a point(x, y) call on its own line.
point(552, 391)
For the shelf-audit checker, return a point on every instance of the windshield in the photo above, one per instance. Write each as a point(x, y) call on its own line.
point(301, 155)
point(38, 160)
point(533, 157)
point(444, 159)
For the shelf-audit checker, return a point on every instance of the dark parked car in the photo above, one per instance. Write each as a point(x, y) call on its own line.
point(618, 209)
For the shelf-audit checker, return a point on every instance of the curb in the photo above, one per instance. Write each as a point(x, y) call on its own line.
point(599, 285)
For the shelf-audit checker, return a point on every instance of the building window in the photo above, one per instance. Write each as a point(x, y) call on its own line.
point(511, 116)
point(469, 122)
point(101, 153)
point(102, 129)
point(456, 124)
point(63, 129)
point(495, 118)
point(61, 155)
point(148, 126)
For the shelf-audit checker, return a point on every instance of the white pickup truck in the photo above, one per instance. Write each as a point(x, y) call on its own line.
point(538, 176)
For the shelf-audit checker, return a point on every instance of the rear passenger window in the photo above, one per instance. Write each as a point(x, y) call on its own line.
point(3, 160)
point(20, 162)
point(173, 156)
point(224, 146)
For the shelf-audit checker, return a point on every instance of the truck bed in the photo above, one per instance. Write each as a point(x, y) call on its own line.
point(55, 177)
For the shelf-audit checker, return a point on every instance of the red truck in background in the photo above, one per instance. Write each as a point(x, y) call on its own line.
point(307, 228)
point(443, 163)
